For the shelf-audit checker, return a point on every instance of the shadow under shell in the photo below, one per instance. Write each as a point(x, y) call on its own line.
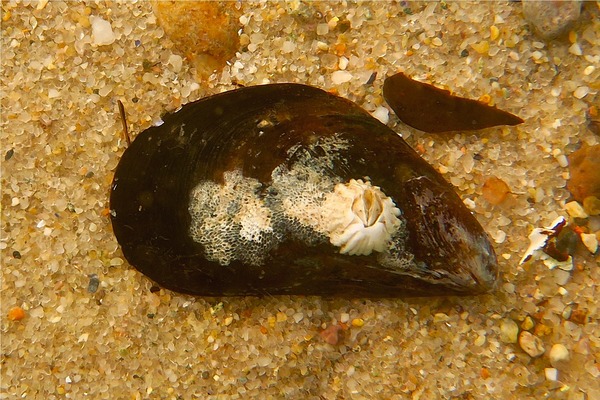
point(212, 202)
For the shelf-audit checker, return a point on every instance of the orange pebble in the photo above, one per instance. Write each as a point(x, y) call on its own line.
point(485, 373)
point(495, 190)
point(16, 314)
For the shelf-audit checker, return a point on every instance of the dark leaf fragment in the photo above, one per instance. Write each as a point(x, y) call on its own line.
point(431, 109)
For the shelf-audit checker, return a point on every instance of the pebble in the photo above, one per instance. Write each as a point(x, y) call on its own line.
point(509, 331)
point(102, 33)
point(581, 92)
point(331, 334)
point(551, 19)
point(558, 354)
point(531, 344)
point(551, 374)
point(575, 210)
point(495, 190)
point(590, 241)
point(16, 314)
point(339, 77)
point(382, 114)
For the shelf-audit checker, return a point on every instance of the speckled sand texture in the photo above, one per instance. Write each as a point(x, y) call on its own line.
point(61, 141)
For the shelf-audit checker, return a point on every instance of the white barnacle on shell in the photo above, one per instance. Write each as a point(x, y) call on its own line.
point(361, 218)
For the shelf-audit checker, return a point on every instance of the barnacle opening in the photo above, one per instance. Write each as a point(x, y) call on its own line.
point(362, 219)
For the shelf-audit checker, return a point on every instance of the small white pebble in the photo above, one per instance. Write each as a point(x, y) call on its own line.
point(176, 61)
point(339, 77)
point(470, 203)
point(581, 92)
point(588, 70)
point(551, 374)
point(575, 49)
point(382, 114)
point(344, 317)
point(562, 291)
point(114, 262)
point(558, 353)
point(562, 161)
point(500, 236)
point(15, 201)
point(437, 41)
point(244, 19)
point(343, 63)
point(102, 33)
point(590, 241)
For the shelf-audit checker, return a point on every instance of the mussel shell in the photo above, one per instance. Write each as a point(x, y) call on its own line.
point(255, 130)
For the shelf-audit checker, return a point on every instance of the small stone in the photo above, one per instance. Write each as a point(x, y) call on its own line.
point(288, 47)
point(481, 47)
point(331, 334)
point(16, 314)
point(551, 19)
point(581, 92)
point(509, 331)
point(575, 210)
point(527, 323)
point(102, 33)
point(495, 190)
point(382, 114)
point(322, 29)
point(531, 344)
point(176, 62)
point(339, 77)
point(558, 354)
point(575, 49)
point(93, 283)
point(358, 322)
point(590, 241)
point(551, 374)
point(494, 32)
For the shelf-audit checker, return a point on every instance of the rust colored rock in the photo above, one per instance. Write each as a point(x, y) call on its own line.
point(584, 167)
point(331, 334)
point(206, 32)
point(495, 190)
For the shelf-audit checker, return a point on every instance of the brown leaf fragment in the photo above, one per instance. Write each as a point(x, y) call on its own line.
point(431, 109)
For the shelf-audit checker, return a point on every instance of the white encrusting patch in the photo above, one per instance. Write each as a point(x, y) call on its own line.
point(230, 220)
point(242, 220)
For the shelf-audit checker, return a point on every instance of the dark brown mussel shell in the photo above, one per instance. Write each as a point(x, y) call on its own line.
point(287, 189)
point(434, 110)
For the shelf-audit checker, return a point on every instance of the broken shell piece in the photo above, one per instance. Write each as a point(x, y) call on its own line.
point(539, 237)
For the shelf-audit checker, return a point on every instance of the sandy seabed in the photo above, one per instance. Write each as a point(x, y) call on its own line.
point(61, 141)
